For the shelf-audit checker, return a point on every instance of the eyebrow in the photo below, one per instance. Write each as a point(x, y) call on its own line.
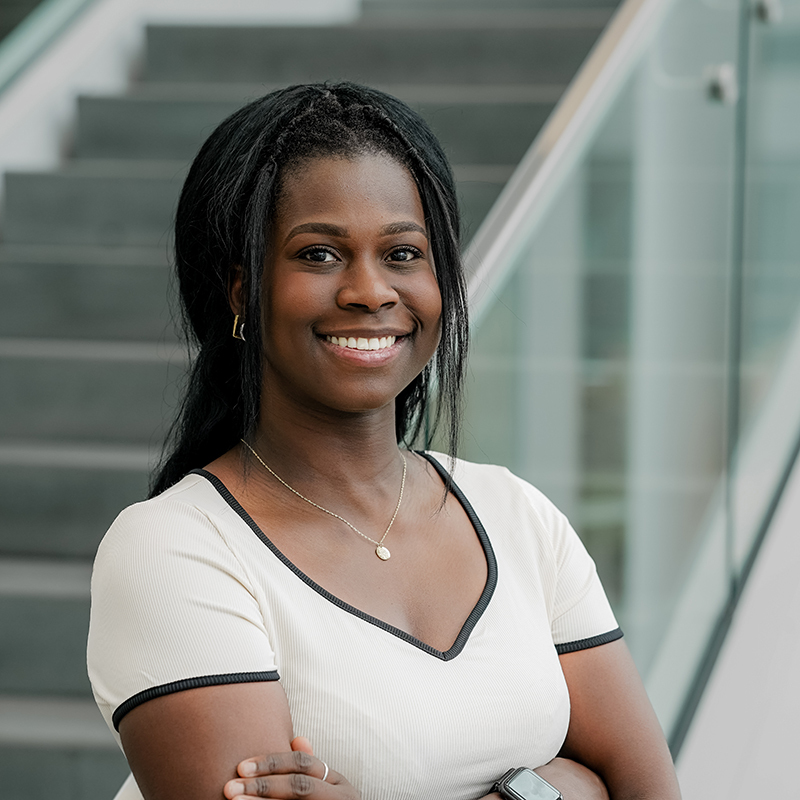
point(402, 227)
point(327, 229)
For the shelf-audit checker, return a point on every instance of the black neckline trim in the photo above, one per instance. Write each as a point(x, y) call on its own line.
point(592, 641)
point(472, 619)
point(189, 683)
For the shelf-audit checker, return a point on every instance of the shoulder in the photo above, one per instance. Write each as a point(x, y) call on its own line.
point(188, 504)
point(518, 518)
point(172, 598)
point(497, 490)
point(176, 531)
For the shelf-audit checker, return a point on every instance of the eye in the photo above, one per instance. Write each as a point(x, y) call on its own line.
point(319, 255)
point(405, 253)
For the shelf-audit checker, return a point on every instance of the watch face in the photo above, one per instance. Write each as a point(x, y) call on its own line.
point(529, 786)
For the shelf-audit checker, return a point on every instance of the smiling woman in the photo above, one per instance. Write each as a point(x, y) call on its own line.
point(244, 638)
point(350, 259)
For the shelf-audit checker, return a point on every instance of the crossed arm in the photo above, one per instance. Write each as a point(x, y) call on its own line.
point(188, 745)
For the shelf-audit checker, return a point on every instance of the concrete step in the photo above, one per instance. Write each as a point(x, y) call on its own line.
point(498, 7)
point(57, 742)
point(30, 721)
point(59, 499)
point(58, 390)
point(83, 293)
point(569, 14)
point(410, 50)
point(131, 203)
point(153, 126)
point(44, 621)
point(113, 203)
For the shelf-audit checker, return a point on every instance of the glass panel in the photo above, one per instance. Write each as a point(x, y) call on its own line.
point(599, 368)
point(770, 336)
point(684, 155)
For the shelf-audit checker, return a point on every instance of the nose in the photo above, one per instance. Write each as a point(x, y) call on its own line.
point(367, 286)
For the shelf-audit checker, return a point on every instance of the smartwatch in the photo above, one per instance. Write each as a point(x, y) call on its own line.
point(524, 784)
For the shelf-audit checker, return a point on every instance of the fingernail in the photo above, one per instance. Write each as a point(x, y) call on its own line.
point(236, 787)
point(247, 768)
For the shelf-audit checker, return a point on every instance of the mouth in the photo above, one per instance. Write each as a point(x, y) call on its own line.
point(362, 343)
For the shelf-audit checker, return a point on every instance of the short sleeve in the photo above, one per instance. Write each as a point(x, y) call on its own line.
point(172, 609)
point(580, 614)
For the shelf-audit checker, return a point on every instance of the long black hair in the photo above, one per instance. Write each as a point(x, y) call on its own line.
point(223, 222)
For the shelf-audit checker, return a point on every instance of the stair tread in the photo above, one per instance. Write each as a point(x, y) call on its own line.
point(171, 170)
point(467, 93)
point(92, 350)
point(20, 577)
point(469, 18)
point(52, 721)
point(35, 253)
point(369, 52)
point(77, 455)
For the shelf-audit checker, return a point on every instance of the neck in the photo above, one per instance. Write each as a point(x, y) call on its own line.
point(319, 450)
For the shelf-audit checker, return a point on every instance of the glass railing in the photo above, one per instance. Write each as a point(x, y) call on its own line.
point(34, 34)
point(636, 348)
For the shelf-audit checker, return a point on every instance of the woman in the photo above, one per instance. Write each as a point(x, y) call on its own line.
point(295, 572)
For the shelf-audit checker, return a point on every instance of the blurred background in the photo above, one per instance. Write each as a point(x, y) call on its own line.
point(630, 178)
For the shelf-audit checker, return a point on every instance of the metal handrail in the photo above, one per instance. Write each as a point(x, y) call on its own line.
point(34, 34)
point(558, 146)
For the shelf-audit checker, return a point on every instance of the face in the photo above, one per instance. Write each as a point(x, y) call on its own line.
point(351, 303)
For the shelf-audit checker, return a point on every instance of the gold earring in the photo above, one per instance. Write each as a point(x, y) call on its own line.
point(238, 330)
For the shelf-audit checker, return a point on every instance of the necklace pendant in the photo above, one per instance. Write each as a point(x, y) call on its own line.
point(382, 553)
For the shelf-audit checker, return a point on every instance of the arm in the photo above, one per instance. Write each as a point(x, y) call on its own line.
point(188, 744)
point(171, 600)
point(613, 729)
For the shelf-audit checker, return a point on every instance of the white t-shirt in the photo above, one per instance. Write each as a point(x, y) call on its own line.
point(187, 591)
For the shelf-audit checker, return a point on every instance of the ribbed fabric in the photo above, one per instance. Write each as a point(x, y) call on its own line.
point(179, 575)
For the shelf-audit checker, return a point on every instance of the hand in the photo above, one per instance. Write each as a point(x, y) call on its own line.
point(573, 780)
point(287, 776)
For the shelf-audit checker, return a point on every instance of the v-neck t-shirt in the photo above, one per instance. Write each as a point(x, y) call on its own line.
point(187, 591)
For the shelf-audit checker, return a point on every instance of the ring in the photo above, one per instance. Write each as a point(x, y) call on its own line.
point(326, 770)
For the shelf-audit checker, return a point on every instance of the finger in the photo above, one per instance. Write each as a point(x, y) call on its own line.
point(298, 761)
point(301, 744)
point(279, 787)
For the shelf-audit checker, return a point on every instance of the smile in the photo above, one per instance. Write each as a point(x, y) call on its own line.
point(362, 344)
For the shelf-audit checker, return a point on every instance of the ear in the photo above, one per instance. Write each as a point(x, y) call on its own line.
point(236, 289)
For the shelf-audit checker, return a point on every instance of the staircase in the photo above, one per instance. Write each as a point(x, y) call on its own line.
point(90, 365)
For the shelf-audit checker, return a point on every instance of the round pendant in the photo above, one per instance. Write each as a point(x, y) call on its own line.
point(382, 553)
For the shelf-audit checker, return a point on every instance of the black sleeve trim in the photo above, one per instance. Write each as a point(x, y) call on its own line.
point(592, 641)
point(189, 683)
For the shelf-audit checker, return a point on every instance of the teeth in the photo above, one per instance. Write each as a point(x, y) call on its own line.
point(362, 343)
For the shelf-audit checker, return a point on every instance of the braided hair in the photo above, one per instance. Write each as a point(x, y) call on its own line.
point(223, 222)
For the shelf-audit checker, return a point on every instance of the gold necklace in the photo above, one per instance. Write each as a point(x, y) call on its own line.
point(380, 551)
